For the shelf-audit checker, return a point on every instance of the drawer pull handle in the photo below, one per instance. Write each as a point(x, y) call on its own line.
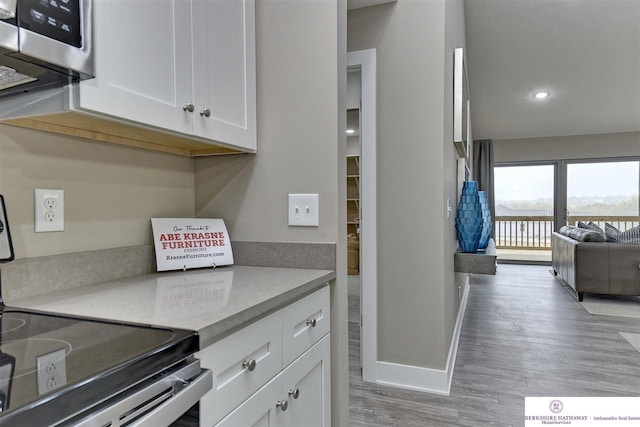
point(188, 107)
point(249, 365)
point(282, 404)
point(295, 393)
point(312, 322)
point(205, 112)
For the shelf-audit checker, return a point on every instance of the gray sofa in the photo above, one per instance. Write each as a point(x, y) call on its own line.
point(597, 267)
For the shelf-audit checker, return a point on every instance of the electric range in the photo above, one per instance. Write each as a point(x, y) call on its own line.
point(56, 369)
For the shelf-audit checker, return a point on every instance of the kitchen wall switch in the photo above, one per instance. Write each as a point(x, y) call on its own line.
point(303, 210)
point(49, 210)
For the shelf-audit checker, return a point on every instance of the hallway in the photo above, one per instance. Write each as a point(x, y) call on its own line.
point(523, 335)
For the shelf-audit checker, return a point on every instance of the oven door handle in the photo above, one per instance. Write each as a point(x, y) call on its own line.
point(176, 406)
point(155, 403)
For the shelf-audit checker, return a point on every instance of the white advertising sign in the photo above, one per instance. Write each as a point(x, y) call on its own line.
point(185, 243)
point(582, 411)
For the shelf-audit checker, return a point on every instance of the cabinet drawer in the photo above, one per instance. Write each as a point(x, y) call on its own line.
point(304, 323)
point(241, 363)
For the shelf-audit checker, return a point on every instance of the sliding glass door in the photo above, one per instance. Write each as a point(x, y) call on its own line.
point(603, 192)
point(524, 211)
point(533, 200)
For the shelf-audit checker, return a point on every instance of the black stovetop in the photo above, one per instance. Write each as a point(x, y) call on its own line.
point(57, 364)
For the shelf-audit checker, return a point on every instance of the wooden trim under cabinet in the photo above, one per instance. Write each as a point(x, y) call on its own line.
point(95, 128)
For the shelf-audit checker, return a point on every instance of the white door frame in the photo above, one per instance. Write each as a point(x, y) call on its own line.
point(365, 60)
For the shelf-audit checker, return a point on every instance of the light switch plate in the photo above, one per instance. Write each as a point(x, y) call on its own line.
point(303, 210)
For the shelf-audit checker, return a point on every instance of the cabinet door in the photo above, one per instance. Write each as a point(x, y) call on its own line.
point(143, 63)
point(224, 71)
point(309, 378)
point(259, 410)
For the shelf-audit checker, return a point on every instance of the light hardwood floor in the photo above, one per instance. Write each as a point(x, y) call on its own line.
point(523, 335)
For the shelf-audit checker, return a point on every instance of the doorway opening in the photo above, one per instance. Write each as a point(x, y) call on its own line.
point(361, 211)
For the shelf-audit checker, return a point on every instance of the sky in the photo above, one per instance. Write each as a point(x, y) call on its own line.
point(585, 179)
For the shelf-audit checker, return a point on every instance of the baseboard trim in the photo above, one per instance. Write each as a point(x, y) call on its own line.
point(436, 381)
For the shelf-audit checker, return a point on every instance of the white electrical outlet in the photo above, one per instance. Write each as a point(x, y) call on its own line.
point(49, 210)
point(51, 371)
point(303, 210)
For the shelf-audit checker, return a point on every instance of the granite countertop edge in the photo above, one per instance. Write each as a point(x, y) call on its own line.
point(210, 328)
point(230, 324)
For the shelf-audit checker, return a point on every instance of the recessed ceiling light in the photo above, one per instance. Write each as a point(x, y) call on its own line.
point(541, 95)
point(350, 131)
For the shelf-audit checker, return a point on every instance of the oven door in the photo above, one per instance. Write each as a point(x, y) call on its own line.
point(156, 402)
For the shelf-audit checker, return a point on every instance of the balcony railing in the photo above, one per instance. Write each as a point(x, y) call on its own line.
point(534, 232)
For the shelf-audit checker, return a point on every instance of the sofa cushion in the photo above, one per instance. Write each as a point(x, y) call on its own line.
point(630, 236)
point(611, 233)
point(581, 234)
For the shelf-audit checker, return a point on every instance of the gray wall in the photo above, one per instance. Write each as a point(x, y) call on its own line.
point(301, 64)
point(417, 292)
point(567, 147)
point(110, 191)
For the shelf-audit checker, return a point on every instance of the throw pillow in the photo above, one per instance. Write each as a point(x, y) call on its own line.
point(630, 236)
point(581, 234)
point(590, 226)
point(611, 233)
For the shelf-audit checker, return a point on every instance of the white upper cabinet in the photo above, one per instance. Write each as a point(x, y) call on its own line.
point(177, 65)
point(143, 63)
point(224, 70)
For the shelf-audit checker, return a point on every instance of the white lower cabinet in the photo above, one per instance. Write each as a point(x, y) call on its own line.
point(274, 372)
point(241, 363)
point(300, 396)
point(309, 378)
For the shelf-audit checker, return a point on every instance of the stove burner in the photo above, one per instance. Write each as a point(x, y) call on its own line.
point(10, 324)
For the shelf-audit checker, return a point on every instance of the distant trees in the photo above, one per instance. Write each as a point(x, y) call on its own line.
point(606, 206)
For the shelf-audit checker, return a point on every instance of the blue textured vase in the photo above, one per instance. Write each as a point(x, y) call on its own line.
point(469, 221)
point(487, 223)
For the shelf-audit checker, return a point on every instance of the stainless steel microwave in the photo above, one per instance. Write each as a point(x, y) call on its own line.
point(44, 43)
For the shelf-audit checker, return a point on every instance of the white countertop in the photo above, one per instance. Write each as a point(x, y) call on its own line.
point(212, 302)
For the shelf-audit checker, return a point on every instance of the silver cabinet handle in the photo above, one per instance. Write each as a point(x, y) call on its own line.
point(188, 107)
point(295, 393)
point(249, 365)
point(205, 112)
point(312, 322)
point(282, 404)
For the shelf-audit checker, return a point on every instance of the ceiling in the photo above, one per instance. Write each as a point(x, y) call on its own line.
point(586, 53)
